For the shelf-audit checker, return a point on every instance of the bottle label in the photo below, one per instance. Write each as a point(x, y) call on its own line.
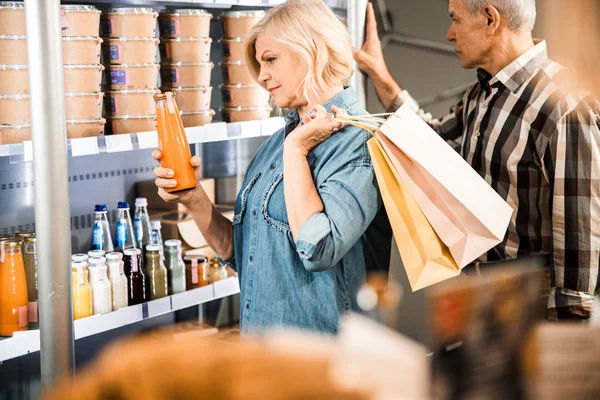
point(155, 237)
point(97, 237)
point(32, 309)
point(122, 233)
point(23, 317)
point(139, 232)
point(194, 272)
point(118, 77)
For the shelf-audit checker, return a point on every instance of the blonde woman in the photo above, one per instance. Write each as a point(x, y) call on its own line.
point(307, 221)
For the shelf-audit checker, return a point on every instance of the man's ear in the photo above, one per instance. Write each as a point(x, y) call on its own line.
point(493, 19)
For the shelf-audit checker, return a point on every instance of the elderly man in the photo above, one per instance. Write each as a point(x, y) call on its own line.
point(536, 144)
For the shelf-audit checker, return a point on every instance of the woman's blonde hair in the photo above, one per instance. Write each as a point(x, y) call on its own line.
point(311, 30)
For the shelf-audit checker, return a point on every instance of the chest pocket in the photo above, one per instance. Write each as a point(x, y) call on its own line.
point(242, 200)
point(274, 210)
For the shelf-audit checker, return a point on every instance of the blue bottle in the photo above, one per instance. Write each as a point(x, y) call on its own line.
point(124, 234)
point(101, 238)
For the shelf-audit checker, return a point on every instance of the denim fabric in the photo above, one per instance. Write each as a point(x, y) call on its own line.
point(313, 282)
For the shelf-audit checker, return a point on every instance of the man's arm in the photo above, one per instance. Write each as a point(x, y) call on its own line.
point(573, 162)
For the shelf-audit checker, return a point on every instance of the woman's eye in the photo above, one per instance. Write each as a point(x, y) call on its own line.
point(271, 60)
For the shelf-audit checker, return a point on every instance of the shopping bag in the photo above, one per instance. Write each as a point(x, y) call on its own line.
point(426, 258)
point(466, 213)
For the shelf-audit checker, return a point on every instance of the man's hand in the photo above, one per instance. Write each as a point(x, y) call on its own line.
point(370, 61)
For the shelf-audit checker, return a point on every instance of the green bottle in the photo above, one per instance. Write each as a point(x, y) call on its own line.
point(175, 266)
point(156, 272)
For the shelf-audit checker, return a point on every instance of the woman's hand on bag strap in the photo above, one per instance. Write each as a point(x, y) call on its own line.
point(318, 125)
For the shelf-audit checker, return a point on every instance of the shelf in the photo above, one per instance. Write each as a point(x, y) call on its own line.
point(22, 343)
point(205, 3)
point(219, 131)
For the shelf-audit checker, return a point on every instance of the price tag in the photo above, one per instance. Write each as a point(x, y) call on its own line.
point(148, 140)
point(84, 146)
point(28, 150)
point(196, 134)
point(216, 132)
point(118, 143)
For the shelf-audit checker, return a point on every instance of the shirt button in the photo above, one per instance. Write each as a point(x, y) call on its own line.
point(247, 306)
point(251, 258)
point(253, 212)
point(273, 166)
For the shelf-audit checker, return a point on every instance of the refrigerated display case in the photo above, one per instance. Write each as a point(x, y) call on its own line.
point(36, 176)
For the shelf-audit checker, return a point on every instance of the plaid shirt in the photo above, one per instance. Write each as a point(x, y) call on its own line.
point(538, 146)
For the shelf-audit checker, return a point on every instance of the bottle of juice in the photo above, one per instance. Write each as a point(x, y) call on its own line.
point(124, 234)
point(101, 292)
point(175, 266)
point(156, 273)
point(172, 142)
point(82, 291)
point(101, 237)
point(135, 277)
point(118, 281)
point(31, 273)
point(13, 288)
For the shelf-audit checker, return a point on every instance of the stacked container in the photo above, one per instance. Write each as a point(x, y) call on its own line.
point(186, 67)
point(129, 54)
point(243, 99)
point(83, 72)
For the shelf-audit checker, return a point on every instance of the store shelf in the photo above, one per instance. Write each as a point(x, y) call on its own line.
point(215, 132)
point(205, 3)
point(26, 342)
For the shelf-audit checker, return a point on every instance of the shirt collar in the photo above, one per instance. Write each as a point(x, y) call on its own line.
point(520, 70)
point(344, 99)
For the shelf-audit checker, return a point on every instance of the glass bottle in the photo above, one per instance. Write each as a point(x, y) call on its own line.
point(13, 288)
point(82, 291)
point(196, 272)
point(101, 238)
point(175, 266)
point(172, 141)
point(136, 278)
point(31, 274)
point(156, 233)
point(141, 223)
point(101, 292)
point(118, 281)
point(124, 234)
point(217, 271)
point(156, 272)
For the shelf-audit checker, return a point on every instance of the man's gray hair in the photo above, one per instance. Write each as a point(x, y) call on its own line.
point(520, 14)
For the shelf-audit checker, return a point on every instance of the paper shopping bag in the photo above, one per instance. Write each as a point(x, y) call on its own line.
point(426, 258)
point(466, 213)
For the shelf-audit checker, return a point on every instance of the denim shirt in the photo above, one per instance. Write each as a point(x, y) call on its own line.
point(313, 282)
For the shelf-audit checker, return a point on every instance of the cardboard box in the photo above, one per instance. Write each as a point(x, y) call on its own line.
point(148, 190)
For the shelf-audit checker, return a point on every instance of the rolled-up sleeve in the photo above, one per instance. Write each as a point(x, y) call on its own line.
point(350, 202)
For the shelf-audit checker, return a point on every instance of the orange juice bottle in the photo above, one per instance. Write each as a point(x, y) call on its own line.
point(82, 291)
point(13, 289)
point(172, 142)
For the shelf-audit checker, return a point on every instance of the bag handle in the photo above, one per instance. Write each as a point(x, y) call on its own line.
point(357, 121)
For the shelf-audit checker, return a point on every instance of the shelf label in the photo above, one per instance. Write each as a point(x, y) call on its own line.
point(251, 128)
point(148, 140)
point(84, 146)
point(118, 143)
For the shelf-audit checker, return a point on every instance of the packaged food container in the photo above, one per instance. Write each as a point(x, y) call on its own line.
point(185, 49)
point(196, 118)
point(12, 18)
point(81, 49)
point(13, 79)
point(14, 109)
point(192, 98)
point(124, 50)
point(244, 96)
point(78, 128)
point(14, 133)
point(129, 21)
point(236, 72)
point(13, 49)
point(130, 102)
point(238, 23)
point(81, 20)
point(133, 76)
point(233, 49)
point(83, 105)
point(132, 124)
point(239, 114)
point(83, 77)
point(184, 22)
point(185, 74)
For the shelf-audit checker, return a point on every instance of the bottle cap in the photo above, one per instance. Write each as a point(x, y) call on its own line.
point(173, 243)
point(155, 224)
point(79, 257)
point(141, 202)
point(130, 252)
point(153, 247)
point(100, 208)
point(123, 204)
point(96, 253)
point(115, 256)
